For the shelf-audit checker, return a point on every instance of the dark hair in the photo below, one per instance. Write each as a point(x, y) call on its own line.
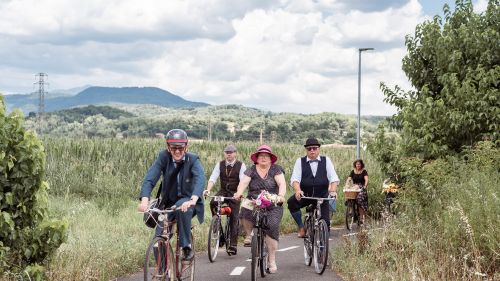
point(360, 162)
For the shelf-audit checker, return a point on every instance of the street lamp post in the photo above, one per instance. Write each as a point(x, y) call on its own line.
point(359, 101)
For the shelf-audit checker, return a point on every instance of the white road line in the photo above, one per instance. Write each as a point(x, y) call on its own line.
point(250, 259)
point(237, 270)
point(286, 249)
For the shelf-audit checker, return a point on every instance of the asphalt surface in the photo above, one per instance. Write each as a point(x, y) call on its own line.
point(290, 261)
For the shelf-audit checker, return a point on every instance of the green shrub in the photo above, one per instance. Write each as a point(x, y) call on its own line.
point(27, 236)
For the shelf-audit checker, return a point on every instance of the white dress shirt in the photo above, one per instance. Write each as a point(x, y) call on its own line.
point(330, 170)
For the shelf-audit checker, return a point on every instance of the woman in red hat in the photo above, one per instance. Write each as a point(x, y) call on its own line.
point(263, 175)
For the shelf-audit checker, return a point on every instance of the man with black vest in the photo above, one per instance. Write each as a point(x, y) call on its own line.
point(313, 175)
point(182, 186)
point(230, 171)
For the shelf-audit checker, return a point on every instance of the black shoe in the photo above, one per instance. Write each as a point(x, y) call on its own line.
point(232, 250)
point(222, 242)
point(187, 254)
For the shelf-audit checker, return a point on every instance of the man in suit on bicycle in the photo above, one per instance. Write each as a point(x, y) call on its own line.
point(230, 171)
point(314, 176)
point(182, 186)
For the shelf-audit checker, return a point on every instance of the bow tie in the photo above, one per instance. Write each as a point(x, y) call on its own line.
point(314, 160)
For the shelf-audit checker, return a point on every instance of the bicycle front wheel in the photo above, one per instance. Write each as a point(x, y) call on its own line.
point(308, 241)
point(263, 255)
point(159, 261)
point(227, 233)
point(255, 254)
point(321, 236)
point(213, 238)
point(349, 215)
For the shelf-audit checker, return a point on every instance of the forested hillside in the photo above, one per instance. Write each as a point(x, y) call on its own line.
point(225, 122)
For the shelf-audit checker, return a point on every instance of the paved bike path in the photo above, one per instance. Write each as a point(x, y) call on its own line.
point(290, 261)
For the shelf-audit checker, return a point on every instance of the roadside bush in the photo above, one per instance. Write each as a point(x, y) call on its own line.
point(27, 236)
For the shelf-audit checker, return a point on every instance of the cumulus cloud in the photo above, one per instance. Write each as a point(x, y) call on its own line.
point(288, 55)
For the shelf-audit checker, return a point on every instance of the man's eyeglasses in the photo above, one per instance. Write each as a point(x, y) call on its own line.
point(177, 148)
point(229, 152)
point(312, 148)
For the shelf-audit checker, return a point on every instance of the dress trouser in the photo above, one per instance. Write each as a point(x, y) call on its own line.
point(294, 206)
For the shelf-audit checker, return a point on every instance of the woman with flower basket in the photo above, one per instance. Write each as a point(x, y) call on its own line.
point(264, 175)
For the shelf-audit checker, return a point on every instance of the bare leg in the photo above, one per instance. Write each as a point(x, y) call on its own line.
point(361, 214)
point(272, 246)
point(247, 227)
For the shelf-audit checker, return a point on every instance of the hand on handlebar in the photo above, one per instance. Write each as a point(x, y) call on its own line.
point(206, 192)
point(237, 196)
point(299, 194)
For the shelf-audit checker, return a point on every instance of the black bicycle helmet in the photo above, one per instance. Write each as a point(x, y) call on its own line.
point(176, 137)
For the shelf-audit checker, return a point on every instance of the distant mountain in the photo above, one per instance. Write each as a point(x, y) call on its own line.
point(100, 95)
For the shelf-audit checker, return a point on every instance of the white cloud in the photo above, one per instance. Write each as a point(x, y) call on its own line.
point(297, 56)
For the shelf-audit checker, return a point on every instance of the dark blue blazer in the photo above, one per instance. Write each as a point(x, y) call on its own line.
point(192, 179)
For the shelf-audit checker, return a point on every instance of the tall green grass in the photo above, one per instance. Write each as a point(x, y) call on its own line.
point(94, 185)
point(449, 229)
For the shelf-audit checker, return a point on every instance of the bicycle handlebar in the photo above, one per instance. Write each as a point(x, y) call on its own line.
point(319, 198)
point(220, 198)
point(165, 211)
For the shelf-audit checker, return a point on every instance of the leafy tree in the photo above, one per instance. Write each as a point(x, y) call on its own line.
point(27, 236)
point(454, 70)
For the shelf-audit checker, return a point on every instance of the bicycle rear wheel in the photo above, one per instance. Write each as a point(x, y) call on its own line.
point(159, 261)
point(255, 255)
point(213, 237)
point(185, 269)
point(263, 255)
point(308, 241)
point(349, 215)
point(321, 236)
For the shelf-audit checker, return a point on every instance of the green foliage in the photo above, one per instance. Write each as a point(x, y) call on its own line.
point(78, 114)
point(27, 236)
point(226, 122)
point(448, 228)
point(454, 69)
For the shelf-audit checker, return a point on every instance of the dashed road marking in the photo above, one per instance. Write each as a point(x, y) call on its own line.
point(286, 249)
point(237, 270)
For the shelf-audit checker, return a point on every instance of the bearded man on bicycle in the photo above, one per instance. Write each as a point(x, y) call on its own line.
point(314, 176)
point(182, 186)
point(230, 170)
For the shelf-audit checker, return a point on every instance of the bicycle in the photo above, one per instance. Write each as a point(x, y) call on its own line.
point(219, 229)
point(259, 246)
point(317, 235)
point(160, 262)
point(351, 211)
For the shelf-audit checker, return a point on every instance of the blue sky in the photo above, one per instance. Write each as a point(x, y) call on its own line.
point(295, 56)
